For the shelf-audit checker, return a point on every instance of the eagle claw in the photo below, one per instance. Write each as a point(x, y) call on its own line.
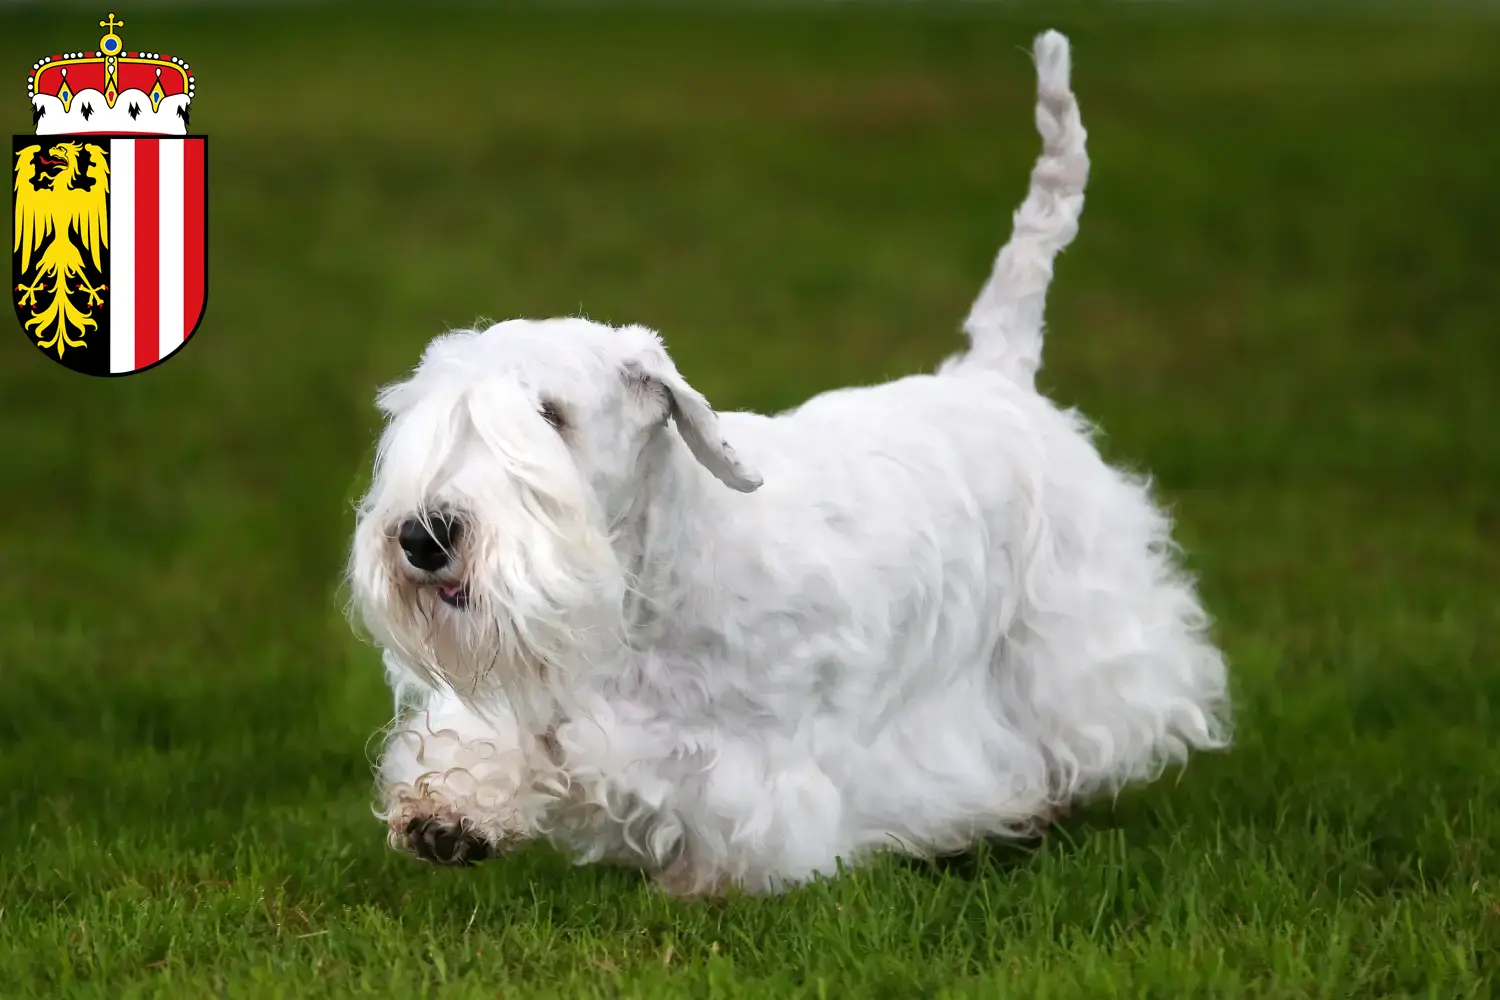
point(29, 298)
point(93, 293)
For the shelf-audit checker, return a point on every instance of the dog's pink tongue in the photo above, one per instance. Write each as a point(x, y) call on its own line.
point(451, 590)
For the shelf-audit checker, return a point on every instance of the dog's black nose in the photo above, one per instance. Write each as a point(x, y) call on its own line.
point(428, 544)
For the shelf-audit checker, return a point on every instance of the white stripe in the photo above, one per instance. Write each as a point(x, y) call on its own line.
point(122, 255)
point(172, 232)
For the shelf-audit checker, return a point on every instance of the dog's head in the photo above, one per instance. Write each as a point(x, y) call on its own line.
point(485, 550)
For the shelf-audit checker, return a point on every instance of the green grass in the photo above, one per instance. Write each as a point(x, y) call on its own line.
point(1283, 302)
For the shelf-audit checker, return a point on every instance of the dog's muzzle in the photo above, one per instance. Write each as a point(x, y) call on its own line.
point(428, 545)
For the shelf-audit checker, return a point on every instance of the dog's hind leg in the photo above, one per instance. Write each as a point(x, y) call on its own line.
point(457, 786)
point(1004, 325)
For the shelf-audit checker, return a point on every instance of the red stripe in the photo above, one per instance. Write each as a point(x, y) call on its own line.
point(147, 250)
point(192, 240)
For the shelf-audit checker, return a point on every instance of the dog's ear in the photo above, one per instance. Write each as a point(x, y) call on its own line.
point(696, 421)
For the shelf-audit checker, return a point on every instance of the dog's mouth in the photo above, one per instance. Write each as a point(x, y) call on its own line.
point(455, 595)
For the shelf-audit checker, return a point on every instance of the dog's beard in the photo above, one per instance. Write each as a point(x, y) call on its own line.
point(525, 621)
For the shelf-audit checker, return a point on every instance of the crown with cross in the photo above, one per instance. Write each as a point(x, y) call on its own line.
point(110, 90)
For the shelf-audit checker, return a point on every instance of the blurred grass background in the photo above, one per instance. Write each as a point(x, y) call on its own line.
point(1283, 302)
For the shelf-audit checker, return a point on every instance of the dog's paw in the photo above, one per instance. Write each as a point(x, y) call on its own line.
point(444, 842)
point(682, 881)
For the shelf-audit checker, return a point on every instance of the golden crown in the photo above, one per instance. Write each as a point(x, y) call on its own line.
point(111, 90)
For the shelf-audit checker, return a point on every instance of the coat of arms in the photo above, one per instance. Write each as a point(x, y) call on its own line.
point(110, 253)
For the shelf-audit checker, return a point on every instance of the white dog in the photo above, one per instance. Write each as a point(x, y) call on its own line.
point(735, 650)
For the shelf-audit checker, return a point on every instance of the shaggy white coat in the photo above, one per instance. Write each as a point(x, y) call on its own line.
point(735, 649)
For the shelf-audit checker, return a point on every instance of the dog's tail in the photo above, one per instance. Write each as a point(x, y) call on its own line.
point(1005, 324)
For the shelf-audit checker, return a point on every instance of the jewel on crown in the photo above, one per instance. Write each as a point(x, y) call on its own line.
point(110, 90)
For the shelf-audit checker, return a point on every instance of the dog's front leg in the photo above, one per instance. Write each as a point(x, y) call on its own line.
point(702, 809)
point(459, 785)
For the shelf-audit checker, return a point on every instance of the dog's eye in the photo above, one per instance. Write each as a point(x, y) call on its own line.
point(552, 413)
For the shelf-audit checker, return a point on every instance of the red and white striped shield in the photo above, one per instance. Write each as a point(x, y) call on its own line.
point(110, 253)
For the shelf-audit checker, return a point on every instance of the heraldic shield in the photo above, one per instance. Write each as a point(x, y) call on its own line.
point(110, 255)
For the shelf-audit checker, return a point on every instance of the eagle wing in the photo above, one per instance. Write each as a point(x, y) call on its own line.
point(91, 211)
point(34, 221)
